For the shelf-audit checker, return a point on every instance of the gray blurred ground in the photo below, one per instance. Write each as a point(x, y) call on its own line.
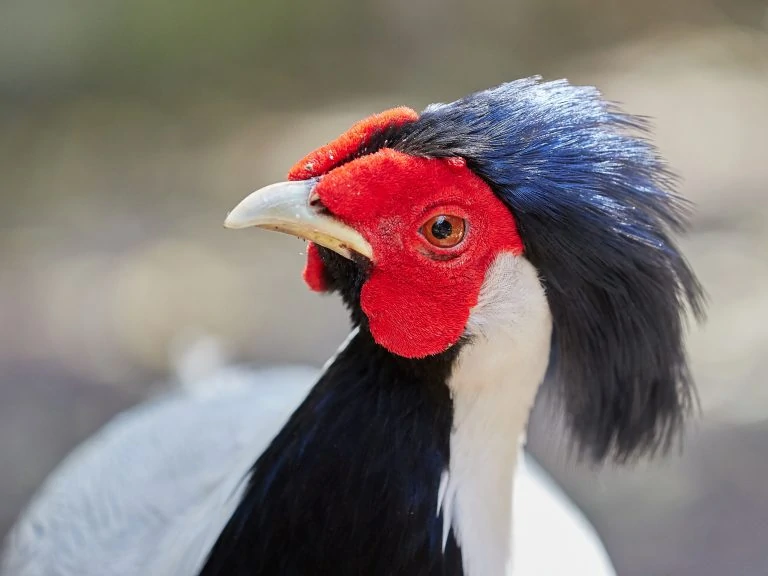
point(128, 129)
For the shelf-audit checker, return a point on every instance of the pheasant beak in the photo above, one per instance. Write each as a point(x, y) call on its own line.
point(294, 208)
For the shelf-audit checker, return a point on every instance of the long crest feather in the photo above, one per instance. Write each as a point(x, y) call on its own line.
point(596, 208)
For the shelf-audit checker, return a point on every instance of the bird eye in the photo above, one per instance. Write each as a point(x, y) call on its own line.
point(444, 231)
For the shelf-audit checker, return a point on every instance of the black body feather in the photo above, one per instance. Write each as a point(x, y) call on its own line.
point(350, 484)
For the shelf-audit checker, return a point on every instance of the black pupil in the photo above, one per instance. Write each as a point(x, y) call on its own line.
point(442, 228)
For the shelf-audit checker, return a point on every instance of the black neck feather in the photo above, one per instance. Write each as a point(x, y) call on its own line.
point(350, 484)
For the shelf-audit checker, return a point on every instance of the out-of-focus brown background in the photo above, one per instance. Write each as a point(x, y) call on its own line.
point(127, 129)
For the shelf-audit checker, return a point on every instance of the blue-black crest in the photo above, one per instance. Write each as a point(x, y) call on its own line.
point(596, 208)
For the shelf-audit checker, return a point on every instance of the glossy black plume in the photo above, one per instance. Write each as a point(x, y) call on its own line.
point(596, 209)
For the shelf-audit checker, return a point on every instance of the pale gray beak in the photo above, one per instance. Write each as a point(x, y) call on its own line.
point(293, 208)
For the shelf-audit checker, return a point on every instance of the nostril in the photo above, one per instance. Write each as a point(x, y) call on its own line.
point(317, 204)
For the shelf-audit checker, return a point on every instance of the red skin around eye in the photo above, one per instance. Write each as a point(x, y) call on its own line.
point(418, 297)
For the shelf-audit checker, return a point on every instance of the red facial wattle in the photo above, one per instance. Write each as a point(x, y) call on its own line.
point(327, 157)
point(324, 159)
point(418, 296)
point(314, 275)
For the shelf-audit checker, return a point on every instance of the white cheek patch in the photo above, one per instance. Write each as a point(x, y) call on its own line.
point(511, 295)
point(493, 386)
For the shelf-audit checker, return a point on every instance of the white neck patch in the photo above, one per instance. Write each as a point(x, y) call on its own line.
point(493, 387)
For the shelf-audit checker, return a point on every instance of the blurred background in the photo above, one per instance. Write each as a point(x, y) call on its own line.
point(129, 128)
